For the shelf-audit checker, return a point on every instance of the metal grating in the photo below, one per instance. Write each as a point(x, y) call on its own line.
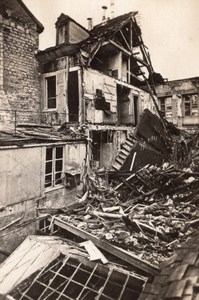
point(68, 278)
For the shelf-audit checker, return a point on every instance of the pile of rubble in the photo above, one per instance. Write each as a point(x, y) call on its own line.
point(150, 213)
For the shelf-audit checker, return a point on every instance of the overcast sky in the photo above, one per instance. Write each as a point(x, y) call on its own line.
point(170, 28)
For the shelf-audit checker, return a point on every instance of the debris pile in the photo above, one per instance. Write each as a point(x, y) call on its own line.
point(150, 213)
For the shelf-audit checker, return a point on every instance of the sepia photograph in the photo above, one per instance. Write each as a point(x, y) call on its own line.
point(99, 150)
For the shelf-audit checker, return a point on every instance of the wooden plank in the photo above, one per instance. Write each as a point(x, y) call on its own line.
point(114, 250)
point(94, 252)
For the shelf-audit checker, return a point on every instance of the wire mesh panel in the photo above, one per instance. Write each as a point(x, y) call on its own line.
point(71, 278)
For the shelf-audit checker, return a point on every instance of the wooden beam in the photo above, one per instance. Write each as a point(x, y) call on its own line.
point(141, 61)
point(124, 39)
point(120, 47)
point(127, 256)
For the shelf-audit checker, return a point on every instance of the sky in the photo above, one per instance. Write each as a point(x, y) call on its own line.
point(170, 28)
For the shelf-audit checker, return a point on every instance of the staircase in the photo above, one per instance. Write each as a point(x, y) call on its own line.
point(124, 153)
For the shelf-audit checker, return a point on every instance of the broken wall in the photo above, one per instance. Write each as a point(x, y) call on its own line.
point(93, 81)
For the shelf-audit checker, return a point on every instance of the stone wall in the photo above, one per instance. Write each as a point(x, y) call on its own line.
point(19, 76)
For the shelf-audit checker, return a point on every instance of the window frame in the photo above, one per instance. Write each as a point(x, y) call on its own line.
point(53, 169)
point(46, 92)
point(191, 106)
point(167, 112)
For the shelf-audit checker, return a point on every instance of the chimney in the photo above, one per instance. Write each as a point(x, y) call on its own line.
point(104, 13)
point(112, 8)
point(90, 23)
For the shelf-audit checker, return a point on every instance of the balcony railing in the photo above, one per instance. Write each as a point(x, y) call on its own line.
point(14, 118)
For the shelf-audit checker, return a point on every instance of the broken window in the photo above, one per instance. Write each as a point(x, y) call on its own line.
point(53, 166)
point(191, 105)
point(51, 92)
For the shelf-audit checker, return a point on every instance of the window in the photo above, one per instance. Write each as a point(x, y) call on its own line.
point(54, 166)
point(166, 106)
point(162, 106)
point(51, 92)
point(191, 105)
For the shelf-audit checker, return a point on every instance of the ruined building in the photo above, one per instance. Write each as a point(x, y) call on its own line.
point(95, 77)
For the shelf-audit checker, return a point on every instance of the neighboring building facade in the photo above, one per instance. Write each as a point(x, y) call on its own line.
point(179, 102)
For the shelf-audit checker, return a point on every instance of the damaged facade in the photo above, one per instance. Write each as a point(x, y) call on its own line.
point(94, 78)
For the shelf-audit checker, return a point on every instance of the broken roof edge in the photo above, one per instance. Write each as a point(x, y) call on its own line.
point(128, 15)
point(177, 80)
point(71, 49)
point(40, 27)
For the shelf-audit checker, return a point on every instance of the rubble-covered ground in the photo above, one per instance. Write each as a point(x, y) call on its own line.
point(151, 212)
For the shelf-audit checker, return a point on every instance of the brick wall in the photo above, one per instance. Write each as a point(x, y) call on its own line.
point(19, 76)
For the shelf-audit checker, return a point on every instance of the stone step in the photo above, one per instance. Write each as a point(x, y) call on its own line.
point(129, 142)
point(124, 151)
point(127, 147)
point(122, 155)
point(116, 166)
point(120, 160)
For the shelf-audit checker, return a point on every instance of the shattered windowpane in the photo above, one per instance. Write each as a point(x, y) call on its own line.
point(58, 179)
point(48, 180)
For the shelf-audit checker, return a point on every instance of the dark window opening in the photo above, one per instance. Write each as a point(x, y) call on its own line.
point(100, 101)
point(125, 116)
point(51, 92)
point(73, 96)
